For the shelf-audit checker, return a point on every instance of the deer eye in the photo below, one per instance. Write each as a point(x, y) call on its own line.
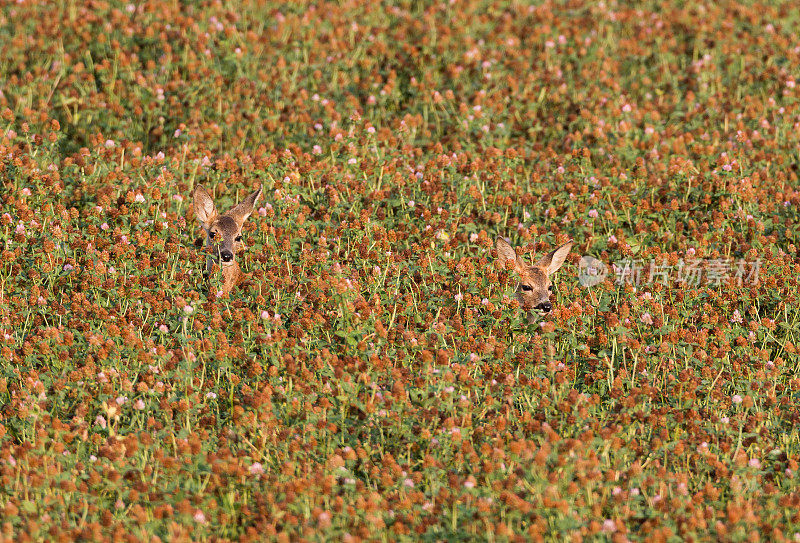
point(527, 288)
point(550, 288)
point(239, 238)
point(212, 234)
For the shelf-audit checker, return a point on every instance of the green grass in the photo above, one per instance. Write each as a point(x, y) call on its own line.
point(375, 379)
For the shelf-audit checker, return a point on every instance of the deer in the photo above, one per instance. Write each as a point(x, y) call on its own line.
point(224, 234)
point(534, 286)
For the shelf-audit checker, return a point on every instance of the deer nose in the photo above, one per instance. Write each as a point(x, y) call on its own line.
point(546, 307)
point(226, 255)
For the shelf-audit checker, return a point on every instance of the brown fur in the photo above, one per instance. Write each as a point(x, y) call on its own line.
point(223, 234)
point(533, 289)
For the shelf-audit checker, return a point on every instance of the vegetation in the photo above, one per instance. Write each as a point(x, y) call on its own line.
point(376, 379)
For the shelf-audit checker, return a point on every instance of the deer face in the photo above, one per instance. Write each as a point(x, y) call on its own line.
point(534, 287)
point(223, 232)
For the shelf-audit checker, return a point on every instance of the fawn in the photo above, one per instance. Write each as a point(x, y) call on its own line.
point(224, 234)
point(533, 290)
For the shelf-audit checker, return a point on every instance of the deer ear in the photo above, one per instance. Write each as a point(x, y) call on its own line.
point(204, 205)
point(552, 261)
point(505, 252)
point(245, 207)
